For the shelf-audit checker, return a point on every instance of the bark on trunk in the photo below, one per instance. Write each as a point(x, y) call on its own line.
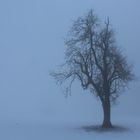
point(107, 114)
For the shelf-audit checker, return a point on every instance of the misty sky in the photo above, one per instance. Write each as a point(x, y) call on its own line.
point(32, 36)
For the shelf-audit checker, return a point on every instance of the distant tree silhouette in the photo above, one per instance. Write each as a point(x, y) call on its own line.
point(93, 58)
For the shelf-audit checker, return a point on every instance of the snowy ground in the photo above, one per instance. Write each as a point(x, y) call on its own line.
point(43, 130)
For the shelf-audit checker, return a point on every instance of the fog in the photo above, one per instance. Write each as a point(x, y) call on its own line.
point(32, 36)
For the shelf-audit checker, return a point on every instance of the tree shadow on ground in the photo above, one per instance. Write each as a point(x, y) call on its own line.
point(99, 128)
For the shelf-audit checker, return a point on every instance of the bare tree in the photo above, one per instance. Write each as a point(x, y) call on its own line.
point(93, 58)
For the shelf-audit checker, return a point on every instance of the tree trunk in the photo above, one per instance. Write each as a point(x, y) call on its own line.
point(107, 114)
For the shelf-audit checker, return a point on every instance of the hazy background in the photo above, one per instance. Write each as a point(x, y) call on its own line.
point(32, 36)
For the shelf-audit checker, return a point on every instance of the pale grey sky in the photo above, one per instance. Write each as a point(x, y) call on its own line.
point(31, 44)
